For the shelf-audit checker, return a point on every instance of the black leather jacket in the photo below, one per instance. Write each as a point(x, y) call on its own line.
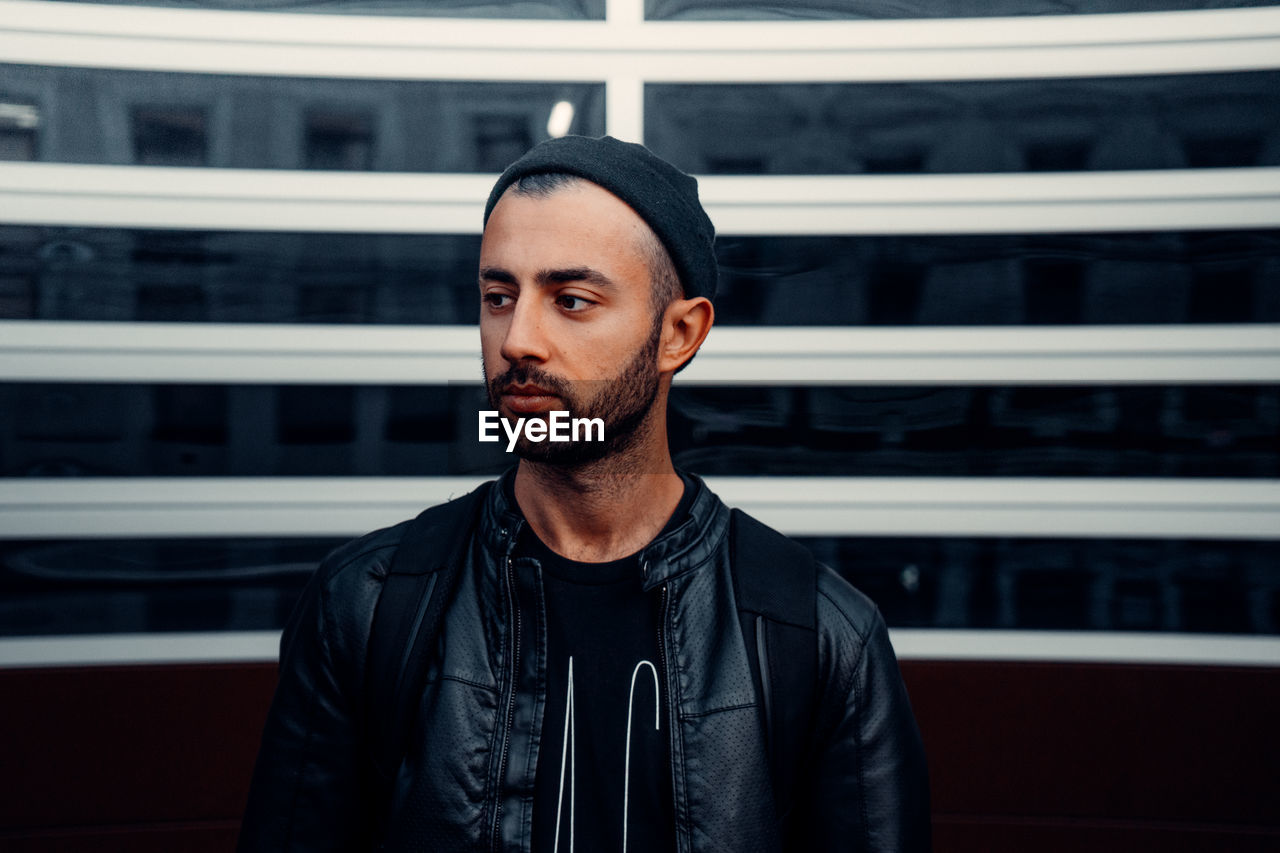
point(468, 778)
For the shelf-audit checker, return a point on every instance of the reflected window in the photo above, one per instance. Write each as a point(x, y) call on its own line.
point(340, 141)
point(756, 10)
point(315, 415)
point(500, 140)
point(150, 585)
point(122, 429)
point(191, 429)
point(19, 129)
point(510, 9)
point(1033, 279)
point(170, 270)
point(107, 274)
point(170, 136)
point(1176, 585)
point(283, 277)
point(1112, 123)
point(290, 122)
point(1070, 584)
point(17, 297)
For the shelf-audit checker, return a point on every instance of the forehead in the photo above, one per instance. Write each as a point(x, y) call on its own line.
point(576, 224)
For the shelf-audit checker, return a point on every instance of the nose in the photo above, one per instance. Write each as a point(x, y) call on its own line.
point(525, 336)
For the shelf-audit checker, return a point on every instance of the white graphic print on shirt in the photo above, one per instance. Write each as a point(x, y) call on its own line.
point(567, 754)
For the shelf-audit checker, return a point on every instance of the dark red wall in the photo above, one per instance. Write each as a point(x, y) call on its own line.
point(1025, 758)
point(1040, 758)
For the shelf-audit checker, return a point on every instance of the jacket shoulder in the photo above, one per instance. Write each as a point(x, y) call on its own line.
point(348, 582)
point(335, 610)
point(843, 608)
point(840, 606)
point(371, 552)
point(349, 579)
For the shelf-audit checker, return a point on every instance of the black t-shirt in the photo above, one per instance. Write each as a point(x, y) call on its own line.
point(605, 762)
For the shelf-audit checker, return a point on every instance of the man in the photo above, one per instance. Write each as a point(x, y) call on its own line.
point(595, 681)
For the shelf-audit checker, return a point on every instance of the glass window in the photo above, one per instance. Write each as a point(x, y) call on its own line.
point(752, 10)
point(19, 129)
point(554, 9)
point(210, 430)
point(1064, 584)
point(241, 121)
point(57, 273)
point(54, 273)
point(1156, 122)
point(338, 139)
point(169, 136)
point(1033, 279)
point(1184, 586)
point(140, 585)
point(1120, 431)
point(76, 429)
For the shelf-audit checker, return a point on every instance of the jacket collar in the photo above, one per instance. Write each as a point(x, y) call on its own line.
point(684, 549)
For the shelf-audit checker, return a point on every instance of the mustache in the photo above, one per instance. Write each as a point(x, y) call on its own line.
point(528, 374)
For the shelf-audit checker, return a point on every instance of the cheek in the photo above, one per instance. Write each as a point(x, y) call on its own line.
point(490, 348)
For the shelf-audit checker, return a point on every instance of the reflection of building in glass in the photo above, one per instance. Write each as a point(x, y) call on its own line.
point(171, 119)
point(1167, 122)
point(169, 136)
point(338, 139)
point(834, 10)
point(19, 129)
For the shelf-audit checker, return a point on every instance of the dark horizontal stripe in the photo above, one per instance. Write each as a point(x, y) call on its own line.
point(1174, 121)
point(106, 586)
point(116, 274)
point(118, 429)
point(525, 9)
point(753, 10)
point(251, 122)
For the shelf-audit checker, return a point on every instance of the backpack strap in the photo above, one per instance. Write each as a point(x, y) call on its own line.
point(420, 582)
point(777, 587)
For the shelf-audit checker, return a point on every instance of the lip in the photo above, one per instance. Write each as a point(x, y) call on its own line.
point(527, 399)
point(526, 391)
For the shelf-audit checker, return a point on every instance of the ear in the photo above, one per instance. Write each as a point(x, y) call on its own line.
point(685, 325)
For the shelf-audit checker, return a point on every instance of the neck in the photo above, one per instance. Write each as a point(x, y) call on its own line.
point(602, 510)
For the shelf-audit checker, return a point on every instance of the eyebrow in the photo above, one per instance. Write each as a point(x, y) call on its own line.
point(497, 274)
point(549, 277)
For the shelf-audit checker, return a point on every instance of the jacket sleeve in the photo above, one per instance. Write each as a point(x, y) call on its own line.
point(871, 783)
point(306, 789)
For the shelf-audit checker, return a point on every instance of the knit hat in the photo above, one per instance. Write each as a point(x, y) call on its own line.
point(664, 197)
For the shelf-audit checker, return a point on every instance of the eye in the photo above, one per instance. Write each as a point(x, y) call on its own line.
point(496, 299)
point(570, 302)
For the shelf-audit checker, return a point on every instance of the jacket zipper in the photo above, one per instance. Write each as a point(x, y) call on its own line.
point(662, 645)
point(671, 713)
point(511, 704)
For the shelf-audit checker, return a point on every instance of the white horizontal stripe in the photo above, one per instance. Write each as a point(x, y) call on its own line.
point(909, 644)
point(241, 199)
point(994, 203)
point(434, 48)
point(394, 203)
point(1085, 647)
point(815, 506)
point(158, 648)
point(214, 352)
point(1005, 506)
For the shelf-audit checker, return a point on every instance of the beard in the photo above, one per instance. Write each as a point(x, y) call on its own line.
point(623, 403)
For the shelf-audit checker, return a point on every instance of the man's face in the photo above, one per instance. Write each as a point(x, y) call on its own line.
point(566, 317)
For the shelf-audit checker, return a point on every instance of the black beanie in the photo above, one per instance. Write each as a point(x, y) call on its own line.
point(664, 197)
